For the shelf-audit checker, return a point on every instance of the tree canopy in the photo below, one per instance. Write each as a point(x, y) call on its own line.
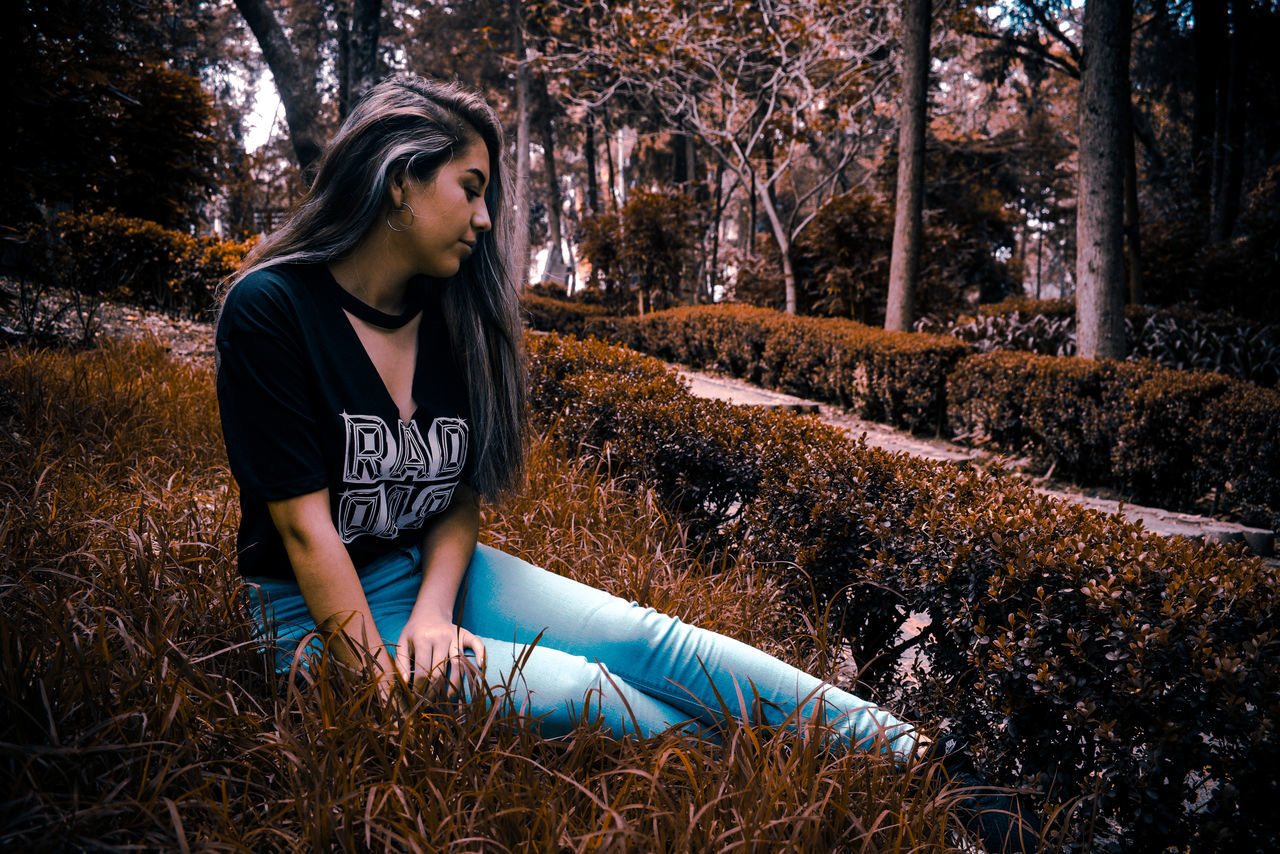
point(779, 121)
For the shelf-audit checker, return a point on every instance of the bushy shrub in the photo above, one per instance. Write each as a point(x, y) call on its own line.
point(1160, 435)
point(1191, 341)
point(549, 314)
point(647, 248)
point(1176, 338)
point(1047, 334)
point(842, 259)
point(888, 376)
point(1063, 409)
point(104, 255)
point(1081, 653)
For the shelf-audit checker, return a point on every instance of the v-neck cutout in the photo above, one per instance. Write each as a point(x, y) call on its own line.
point(412, 356)
point(348, 320)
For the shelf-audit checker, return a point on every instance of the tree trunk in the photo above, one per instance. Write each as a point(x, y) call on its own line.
point(589, 153)
point(520, 196)
point(362, 52)
point(1104, 89)
point(554, 200)
point(713, 268)
point(904, 263)
point(298, 96)
point(783, 239)
point(1132, 224)
point(613, 177)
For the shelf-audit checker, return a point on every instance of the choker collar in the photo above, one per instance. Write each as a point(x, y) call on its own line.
point(358, 308)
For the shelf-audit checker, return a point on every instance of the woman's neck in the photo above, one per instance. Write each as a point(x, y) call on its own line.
point(370, 273)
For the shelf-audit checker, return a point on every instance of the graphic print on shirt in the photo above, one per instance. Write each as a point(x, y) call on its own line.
point(395, 479)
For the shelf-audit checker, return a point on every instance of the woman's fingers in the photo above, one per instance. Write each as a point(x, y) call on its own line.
point(454, 670)
point(404, 660)
point(473, 643)
point(438, 655)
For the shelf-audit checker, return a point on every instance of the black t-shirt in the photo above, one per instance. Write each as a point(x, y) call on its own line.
point(304, 408)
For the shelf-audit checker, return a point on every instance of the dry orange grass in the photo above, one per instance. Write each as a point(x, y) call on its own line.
point(136, 712)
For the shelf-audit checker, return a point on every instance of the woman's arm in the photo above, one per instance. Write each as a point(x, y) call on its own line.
point(328, 580)
point(430, 641)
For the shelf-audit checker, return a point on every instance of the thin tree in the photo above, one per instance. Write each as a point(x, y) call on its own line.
point(520, 195)
point(1104, 89)
point(904, 263)
point(760, 84)
point(297, 81)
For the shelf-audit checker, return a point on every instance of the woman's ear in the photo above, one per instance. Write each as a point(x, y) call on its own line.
point(396, 188)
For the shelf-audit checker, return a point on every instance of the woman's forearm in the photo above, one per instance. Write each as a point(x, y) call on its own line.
point(328, 580)
point(446, 552)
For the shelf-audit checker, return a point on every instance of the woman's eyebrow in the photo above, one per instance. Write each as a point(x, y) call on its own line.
point(483, 178)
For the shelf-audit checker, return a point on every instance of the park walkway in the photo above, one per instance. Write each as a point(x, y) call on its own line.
point(193, 340)
point(1166, 523)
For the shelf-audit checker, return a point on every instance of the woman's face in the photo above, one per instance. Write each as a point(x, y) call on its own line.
point(449, 213)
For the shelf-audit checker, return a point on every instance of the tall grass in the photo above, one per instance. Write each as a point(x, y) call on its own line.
point(135, 711)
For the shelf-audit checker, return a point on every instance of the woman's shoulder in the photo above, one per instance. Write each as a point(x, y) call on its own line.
point(270, 297)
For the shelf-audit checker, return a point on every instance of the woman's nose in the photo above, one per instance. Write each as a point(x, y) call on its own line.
point(480, 218)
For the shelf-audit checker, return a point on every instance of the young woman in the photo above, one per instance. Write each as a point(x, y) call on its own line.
point(371, 388)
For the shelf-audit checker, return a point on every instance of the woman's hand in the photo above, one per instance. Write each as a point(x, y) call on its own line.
point(430, 649)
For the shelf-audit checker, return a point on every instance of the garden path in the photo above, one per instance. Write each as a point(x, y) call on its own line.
point(1166, 523)
point(193, 340)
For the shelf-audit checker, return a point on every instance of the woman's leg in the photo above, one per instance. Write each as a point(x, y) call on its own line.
point(557, 688)
point(680, 666)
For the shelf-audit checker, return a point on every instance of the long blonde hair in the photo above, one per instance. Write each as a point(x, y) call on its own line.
point(411, 125)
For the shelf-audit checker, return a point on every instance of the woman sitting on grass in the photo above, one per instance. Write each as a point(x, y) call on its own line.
point(371, 386)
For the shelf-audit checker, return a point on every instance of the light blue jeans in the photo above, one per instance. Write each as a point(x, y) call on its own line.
point(559, 646)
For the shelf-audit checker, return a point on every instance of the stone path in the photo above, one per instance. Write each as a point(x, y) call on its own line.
point(1166, 523)
point(193, 340)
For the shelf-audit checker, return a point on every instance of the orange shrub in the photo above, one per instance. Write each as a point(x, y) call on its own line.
point(111, 256)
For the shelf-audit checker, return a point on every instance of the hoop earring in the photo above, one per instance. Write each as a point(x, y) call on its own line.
point(412, 217)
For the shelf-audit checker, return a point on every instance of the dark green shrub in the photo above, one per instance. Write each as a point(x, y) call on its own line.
point(1081, 654)
point(647, 248)
point(842, 259)
point(1174, 438)
point(1176, 338)
point(1244, 474)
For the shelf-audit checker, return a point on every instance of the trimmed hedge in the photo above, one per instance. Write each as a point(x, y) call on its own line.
point(548, 314)
point(896, 377)
point(1158, 434)
point(1174, 337)
point(1078, 651)
point(1175, 438)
